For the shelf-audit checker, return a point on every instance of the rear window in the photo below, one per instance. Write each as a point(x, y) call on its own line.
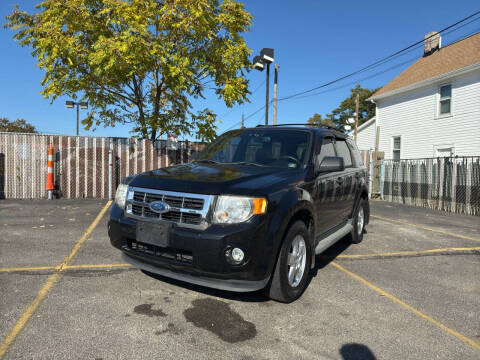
point(357, 157)
point(343, 151)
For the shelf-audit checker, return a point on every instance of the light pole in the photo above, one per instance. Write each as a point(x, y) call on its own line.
point(266, 57)
point(275, 83)
point(70, 104)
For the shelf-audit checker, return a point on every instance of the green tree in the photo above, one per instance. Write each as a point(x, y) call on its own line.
point(366, 109)
point(18, 126)
point(140, 61)
point(328, 121)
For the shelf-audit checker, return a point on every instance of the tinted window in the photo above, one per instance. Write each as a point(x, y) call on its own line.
point(355, 152)
point(326, 149)
point(344, 152)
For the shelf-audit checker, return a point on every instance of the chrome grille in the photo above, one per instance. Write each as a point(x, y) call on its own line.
point(189, 210)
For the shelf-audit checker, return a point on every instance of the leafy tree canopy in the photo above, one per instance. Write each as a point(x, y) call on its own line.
point(339, 116)
point(316, 118)
point(18, 126)
point(140, 61)
point(366, 109)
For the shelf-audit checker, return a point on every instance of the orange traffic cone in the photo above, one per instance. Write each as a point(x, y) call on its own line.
point(50, 187)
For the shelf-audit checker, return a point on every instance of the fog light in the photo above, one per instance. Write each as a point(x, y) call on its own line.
point(235, 256)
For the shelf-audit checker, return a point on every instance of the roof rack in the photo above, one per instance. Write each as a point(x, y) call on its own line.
point(322, 126)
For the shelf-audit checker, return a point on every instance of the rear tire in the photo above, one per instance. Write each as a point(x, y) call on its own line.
point(358, 219)
point(292, 270)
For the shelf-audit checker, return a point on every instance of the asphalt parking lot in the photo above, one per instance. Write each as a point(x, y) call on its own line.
point(410, 290)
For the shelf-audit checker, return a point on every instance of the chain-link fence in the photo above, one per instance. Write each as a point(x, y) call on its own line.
point(448, 184)
point(81, 163)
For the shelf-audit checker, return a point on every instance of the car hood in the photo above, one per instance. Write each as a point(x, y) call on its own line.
point(216, 178)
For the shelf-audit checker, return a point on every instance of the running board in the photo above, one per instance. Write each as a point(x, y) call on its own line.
point(331, 239)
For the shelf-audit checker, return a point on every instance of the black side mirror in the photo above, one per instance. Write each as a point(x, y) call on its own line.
point(330, 164)
point(193, 156)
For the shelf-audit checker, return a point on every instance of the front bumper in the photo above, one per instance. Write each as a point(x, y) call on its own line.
point(222, 284)
point(198, 256)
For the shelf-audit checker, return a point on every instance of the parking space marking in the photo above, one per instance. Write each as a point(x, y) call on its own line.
point(426, 228)
point(33, 268)
point(382, 292)
point(99, 266)
point(66, 267)
point(52, 279)
point(413, 252)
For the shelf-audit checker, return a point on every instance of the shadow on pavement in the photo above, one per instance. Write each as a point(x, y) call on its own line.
point(356, 352)
point(330, 255)
point(256, 296)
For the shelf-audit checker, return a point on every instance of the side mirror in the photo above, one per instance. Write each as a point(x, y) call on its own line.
point(330, 164)
point(193, 156)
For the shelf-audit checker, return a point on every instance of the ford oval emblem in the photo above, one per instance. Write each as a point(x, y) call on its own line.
point(159, 207)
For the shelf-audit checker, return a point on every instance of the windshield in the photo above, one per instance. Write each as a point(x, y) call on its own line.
point(275, 148)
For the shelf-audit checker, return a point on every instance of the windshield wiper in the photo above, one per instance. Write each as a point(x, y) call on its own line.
point(246, 163)
point(206, 161)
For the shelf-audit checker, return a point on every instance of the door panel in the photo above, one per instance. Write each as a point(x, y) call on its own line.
point(325, 188)
point(348, 182)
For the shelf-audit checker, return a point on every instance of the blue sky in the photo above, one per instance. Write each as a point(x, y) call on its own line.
point(314, 42)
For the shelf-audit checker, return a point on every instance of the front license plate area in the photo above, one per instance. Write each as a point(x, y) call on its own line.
point(154, 234)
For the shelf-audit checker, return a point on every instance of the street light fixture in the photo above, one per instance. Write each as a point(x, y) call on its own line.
point(69, 104)
point(258, 63)
point(266, 57)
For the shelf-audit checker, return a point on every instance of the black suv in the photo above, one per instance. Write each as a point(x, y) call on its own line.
point(249, 213)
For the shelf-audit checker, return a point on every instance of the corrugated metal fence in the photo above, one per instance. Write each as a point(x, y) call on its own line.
point(449, 184)
point(81, 163)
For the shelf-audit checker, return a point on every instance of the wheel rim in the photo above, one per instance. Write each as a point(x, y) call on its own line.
point(360, 220)
point(296, 261)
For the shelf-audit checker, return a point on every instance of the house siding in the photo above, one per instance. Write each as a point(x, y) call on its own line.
point(366, 137)
point(413, 116)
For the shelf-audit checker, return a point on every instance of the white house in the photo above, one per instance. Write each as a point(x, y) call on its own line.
point(366, 135)
point(432, 109)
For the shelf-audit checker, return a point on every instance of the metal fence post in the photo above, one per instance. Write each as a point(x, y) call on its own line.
point(370, 174)
point(110, 174)
point(2, 176)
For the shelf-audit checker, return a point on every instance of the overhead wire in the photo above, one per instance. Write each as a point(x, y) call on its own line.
point(385, 70)
point(377, 63)
point(227, 113)
point(381, 61)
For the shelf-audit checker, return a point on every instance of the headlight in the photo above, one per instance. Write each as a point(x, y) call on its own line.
point(121, 195)
point(236, 209)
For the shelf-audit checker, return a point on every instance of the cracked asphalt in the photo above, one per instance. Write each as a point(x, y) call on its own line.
point(402, 301)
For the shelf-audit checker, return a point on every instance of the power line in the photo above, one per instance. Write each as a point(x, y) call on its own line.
point(381, 61)
point(357, 81)
point(385, 70)
point(229, 111)
point(246, 118)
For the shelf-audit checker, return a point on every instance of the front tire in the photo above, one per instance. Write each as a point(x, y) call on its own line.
point(356, 236)
point(292, 270)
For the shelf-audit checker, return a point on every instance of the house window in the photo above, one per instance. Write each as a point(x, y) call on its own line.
point(396, 148)
point(445, 99)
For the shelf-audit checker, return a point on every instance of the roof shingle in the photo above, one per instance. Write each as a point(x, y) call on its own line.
point(447, 59)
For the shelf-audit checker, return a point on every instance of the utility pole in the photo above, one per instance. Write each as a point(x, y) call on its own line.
point(266, 95)
point(357, 100)
point(243, 121)
point(275, 81)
